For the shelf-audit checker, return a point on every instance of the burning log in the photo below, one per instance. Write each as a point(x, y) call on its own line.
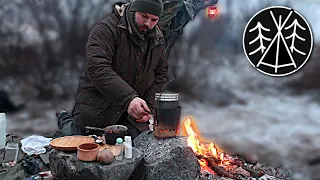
point(216, 168)
point(210, 158)
point(213, 164)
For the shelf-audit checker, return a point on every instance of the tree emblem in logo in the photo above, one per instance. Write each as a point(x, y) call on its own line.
point(277, 41)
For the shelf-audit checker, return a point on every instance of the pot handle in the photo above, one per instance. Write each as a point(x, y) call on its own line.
point(93, 128)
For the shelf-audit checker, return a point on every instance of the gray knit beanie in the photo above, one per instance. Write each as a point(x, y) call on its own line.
point(154, 7)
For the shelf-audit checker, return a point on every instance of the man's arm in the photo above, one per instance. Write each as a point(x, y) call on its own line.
point(160, 78)
point(100, 51)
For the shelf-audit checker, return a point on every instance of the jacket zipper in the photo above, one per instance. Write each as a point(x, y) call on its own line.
point(137, 75)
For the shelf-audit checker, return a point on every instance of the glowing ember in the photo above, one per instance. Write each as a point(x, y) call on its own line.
point(204, 149)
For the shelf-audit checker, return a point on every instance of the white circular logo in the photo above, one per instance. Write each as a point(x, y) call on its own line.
point(277, 41)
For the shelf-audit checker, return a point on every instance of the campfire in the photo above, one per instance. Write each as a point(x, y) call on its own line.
point(214, 162)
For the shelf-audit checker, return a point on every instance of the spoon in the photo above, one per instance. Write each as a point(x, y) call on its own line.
point(96, 139)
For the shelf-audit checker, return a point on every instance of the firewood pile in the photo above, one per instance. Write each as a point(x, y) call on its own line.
point(239, 169)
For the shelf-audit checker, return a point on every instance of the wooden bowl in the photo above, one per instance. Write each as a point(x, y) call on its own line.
point(87, 151)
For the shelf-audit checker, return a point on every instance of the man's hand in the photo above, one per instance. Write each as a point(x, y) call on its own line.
point(139, 109)
point(144, 118)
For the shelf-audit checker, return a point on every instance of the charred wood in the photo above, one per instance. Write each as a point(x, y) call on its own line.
point(210, 158)
point(254, 173)
point(216, 168)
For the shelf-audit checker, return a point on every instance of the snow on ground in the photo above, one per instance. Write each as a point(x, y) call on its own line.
point(37, 118)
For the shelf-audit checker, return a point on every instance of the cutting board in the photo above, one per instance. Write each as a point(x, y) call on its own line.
point(70, 143)
point(114, 149)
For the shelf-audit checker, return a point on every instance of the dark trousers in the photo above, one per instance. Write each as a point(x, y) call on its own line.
point(68, 127)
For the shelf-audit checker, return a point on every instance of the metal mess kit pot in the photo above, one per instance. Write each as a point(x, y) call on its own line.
point(167, 115)
point(111, 133)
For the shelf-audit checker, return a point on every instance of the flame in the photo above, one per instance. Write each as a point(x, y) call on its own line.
point(213, 150)
point(203, 149)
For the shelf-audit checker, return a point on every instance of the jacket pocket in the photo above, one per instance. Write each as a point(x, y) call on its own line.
point(90, 109)
point(92, 101)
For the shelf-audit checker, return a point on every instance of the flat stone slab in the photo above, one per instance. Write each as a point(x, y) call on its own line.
point(165, 159)
point(66, 166)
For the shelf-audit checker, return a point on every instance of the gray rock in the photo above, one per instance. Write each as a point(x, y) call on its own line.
point(168, 159)
point(314, 172)
point(66, 166)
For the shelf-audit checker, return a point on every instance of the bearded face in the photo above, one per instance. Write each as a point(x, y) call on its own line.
point(145, 21)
